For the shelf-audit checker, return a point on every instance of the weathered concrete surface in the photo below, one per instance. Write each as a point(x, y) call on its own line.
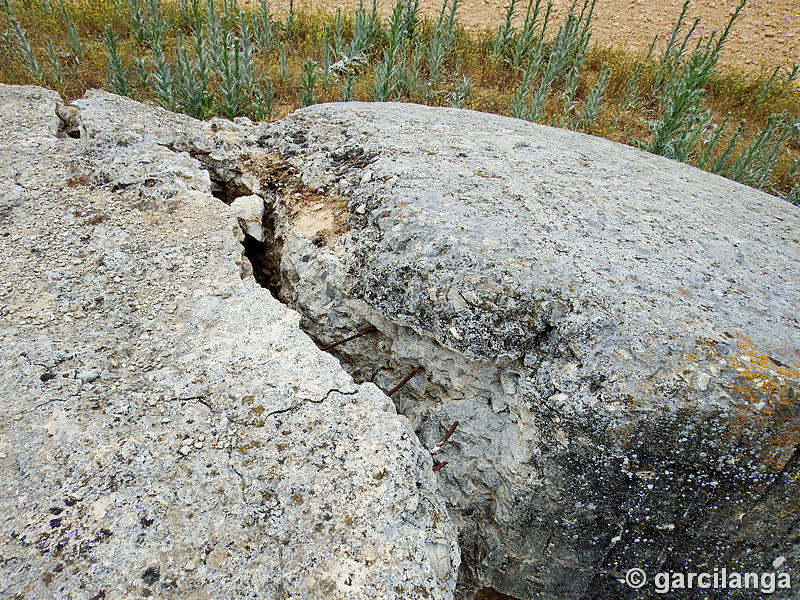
point(617, 334)
point(167, 429)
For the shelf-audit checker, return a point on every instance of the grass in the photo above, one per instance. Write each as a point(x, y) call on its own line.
point(209, 57)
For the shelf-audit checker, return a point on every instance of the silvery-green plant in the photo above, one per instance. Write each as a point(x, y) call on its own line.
point(348, 88)
point(26, 51)
point(216, 38)
point(142, 72)
point(674, 52)
point(157, 26)
point(264, 104)
point(566, 52)
point(763, 92)
point(290, 27)
point(632, 92)
point(264, 27)
point(720, 164)
point(117, 75)
point(756, 161)
point(47, 7)
point(236, 72)
point(505, 31)
point(524, 43)
point(195, 15)
point(794, 195)
point(383, 85)
point(711, 142)
point(521, 97)
point(366, 28)
point(161, 79)
point(520, 104)
point(327, 74)
point(183, 10)
point(72, 34)
point(338, 33)
point(592, 107)
point(8, 43)
point(442, 41)
point(283, 64)
point(389, 73)
point(460, 96)
point(308, 78)
point(137, 22)
point(192, 81)
point(410, 18)
point(203, 76)
point(683, 121)
point(56, 72)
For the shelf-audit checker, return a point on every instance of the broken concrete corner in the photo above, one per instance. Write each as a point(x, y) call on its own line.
point(615, 333)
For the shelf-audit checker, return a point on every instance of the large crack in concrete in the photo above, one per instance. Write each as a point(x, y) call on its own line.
point(552, 478)
point(295, 259)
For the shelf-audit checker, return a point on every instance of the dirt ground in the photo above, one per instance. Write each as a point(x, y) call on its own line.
point(766, 34)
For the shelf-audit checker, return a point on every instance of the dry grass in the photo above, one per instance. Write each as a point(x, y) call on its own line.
point(493, 80)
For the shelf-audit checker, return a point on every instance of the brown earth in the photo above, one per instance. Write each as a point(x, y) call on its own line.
point(766, 34)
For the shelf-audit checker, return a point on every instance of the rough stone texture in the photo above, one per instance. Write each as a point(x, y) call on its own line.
point(167, 429)
point(617, 334)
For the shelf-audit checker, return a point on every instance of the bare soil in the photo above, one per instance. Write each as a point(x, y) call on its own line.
point(766, 34)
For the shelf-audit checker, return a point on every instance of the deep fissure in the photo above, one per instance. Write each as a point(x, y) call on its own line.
point(420, 373)
point(368, 357)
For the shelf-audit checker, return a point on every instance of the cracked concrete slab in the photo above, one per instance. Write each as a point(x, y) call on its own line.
point(616, 333)
point(167, 428)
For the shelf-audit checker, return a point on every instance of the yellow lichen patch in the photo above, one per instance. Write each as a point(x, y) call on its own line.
point(766, 392)
point(708, 347)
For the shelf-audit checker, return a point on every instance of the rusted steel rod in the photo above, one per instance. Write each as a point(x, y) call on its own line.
point(443, 441)
point(439, 465)
point(358, 334)
point(405, 381)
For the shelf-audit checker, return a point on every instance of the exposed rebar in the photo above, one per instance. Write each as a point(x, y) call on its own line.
point(358, 334)
point(405, 381)
point(444, 439)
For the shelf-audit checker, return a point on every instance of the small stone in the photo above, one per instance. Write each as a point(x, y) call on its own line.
point(702, 381)
point(184, 450)
point(361, 209)
point(778, 562)
point(366, 177)
point(249, 210)
point(88, 375)
point(190, 566)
